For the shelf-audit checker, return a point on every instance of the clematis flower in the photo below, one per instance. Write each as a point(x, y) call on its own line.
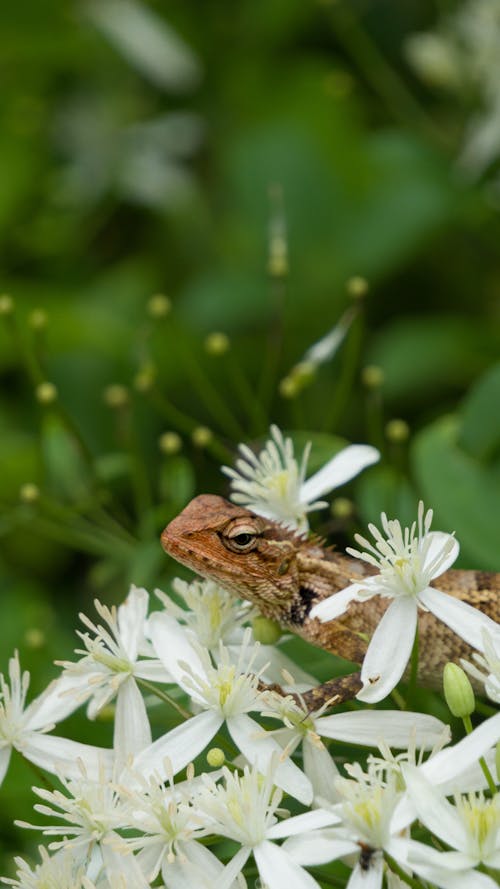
point(25, 728)
point(364, 727)
point(471, 827)
point(225, 693)
point(112, 659)
point(274, 485)
point(407, 560)
point(244, 809)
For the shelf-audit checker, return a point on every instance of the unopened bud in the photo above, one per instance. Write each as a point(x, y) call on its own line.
point(397, 431)
point(6, 304)
point(201, 436)
point(458, 691)
point(288, 387)
point(170, 443)
point(372, 376)
point(29, 493)
point(217, 343)
point(215, 757)
point(266, 631)
point(303, 372)
point(145, 378)
point(357, 287)
point(46, 393)
point(159, 306)
point(342, 508)
point(38, 319)
point(34, 638)
point(116, 395)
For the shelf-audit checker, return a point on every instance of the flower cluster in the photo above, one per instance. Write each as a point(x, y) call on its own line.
point(209, 800)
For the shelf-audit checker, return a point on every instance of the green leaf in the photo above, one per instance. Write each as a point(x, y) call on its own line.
point(385, 489)
point(464, 494)
point(480, 432)
point(176, 481)
point(67, 472)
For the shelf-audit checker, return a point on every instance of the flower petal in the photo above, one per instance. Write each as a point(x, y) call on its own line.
point(337, 604)
point(172, 645)
point(339, 470)
point(4, 761)
point(195, 867)
point(463, 619)
point(131, 619)
point(122, 868)
point(450, 763)
point(180, 746)
point(297, 824)
point(433, 809)
point(321, 770)
point(436, 542)
point(392, 726)
point(232, 869)
point(258, 747)
point(59, 699)
point(277, 870)
point(318, 847)
point(63, 756)
point(389, 650)
point(132, 732)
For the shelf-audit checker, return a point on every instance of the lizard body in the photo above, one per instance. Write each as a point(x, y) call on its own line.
point(285, 574)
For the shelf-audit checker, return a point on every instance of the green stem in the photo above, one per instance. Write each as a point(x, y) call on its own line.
point(482, 762)
point(394, 866)
point(350, 361)
point(184, 423)
point(163, 696)
point(212, 400)
point(80, 540)
point(246, 394)
point(272, 354)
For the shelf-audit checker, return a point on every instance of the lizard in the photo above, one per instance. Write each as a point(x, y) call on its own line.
point(285, 573)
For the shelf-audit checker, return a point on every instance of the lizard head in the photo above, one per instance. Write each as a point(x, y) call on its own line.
point(251, 556)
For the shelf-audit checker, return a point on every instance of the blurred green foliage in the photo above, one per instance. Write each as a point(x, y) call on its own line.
point(122, 177)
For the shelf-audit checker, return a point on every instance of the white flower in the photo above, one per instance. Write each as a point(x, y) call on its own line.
point(273, 484)
point(489, 662)
point(365, 816)
point(407, 560)
point(244, 810)
point(471, 826)
point(225, 694)
point(215, 615)
point(363, 727)
point(58, 871)
point(111, 660)
point(24, 728)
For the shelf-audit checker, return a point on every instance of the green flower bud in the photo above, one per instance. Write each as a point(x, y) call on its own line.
point(342, 508)
point(288, 387)
point(215, 757)
point(266, 631)
point(217, 343)
point(6, 304)
point(145, 378)
point(372, 376)
point(38, 319)
point(159, 306)
point(116, 395)
point(458, 691)
point(170, 443)
point(357, 287)
point(29, 493)
point(201, 436)
point(397, 431)
point(35, 638)
point(46, 393)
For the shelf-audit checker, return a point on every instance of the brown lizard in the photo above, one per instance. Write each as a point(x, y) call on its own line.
point(285, 574)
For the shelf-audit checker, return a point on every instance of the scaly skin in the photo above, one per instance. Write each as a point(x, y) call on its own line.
point(285, 574)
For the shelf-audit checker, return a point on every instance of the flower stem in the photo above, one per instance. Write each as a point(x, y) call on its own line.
point(482, 762)
point(394, 866)
point(164, 697)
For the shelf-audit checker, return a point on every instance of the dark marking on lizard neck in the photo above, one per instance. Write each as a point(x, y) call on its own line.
point(302, 605)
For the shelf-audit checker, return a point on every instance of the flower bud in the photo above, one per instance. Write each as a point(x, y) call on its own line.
point(29, 493)
point(397, 431)
point(116, 395)
point(37, 319)
point(145, 378)
point(34, 638)
point(372, 376)
point(201, 436)
point(159, 306)
point(6, 304)
point(46, 393)
point(215, 757)
point(458, 691)
point(288, 387)
point(342, 508)
point(357, 287)
point(170, 443)
point(265, 631)
point(217, 343)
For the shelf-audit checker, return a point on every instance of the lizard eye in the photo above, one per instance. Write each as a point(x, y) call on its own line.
point(240, 539)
